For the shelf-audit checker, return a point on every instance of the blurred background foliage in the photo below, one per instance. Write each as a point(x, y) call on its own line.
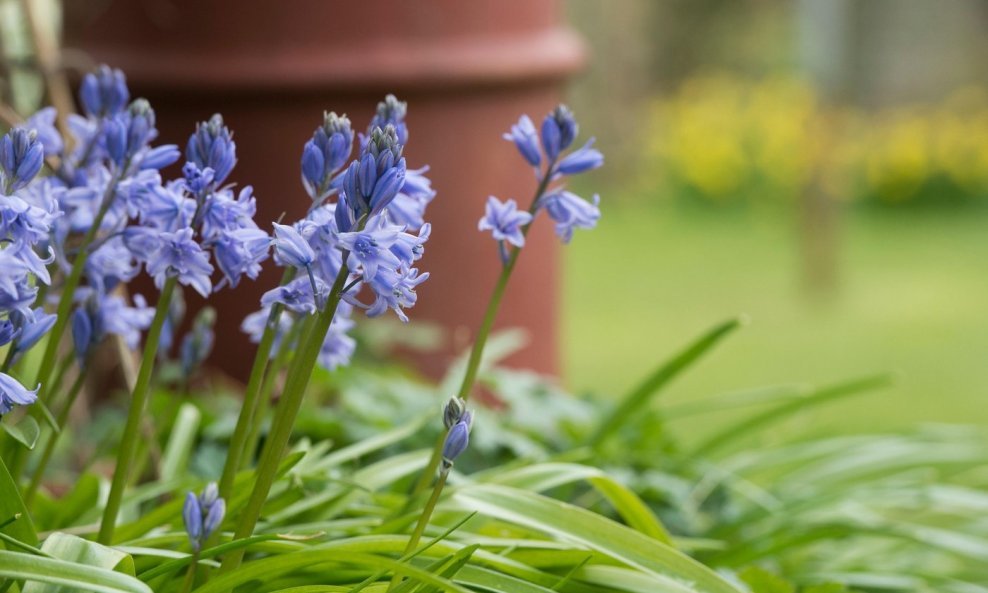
point(819, 166)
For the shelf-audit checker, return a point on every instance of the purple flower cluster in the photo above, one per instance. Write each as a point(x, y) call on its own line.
point(567, 210)
point(187, 223)
point(376, 223)
point(106, 196)
point(25, 223)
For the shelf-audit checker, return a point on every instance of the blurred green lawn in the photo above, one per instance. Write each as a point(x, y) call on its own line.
point(912, 299)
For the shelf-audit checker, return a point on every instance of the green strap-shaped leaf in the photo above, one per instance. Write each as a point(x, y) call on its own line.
point(632, 402)
point(49, 575)
point(763, 419)
point(175, 458)
point(573, 523)
point(270, 568)
point(544, 476)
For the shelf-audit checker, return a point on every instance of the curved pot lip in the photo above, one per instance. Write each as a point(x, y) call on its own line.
point(543, 55)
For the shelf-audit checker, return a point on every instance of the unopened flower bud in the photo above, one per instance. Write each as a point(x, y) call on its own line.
point(457, 439)
point(452, 411)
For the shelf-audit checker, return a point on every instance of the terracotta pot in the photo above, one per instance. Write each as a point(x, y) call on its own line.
point(467, 70)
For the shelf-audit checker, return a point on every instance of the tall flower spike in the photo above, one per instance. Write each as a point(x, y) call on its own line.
point(212, 146)
point(21, 156)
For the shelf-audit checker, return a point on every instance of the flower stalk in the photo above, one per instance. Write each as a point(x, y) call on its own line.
point(299, 374)
point(131, 435)
point(262, 366)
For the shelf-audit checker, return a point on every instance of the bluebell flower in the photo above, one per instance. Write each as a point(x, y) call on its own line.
point(17, 292)
point(221, 212)
point(127, 134)
point(43, 122)
point(101, 315)
point(323, 236)
point(296, 296)
point(202, 515)
point(526, 140)
point(240, 252)
point(570, 211)
point(12, 393)
point(31, 327)
point(104, 92)
point(325, 154)
point(159, 157)
point(395, 290)
point(457, 439)
point(408, 207)
point(21, 157)
point(111, 264)
point(198, 181)
point(371, 182)
point(31, 261)
point(179, 255)
point(212, 146)
point(580, 160)
point(370, 249)
point(505, 221)
point(291, 249)
point(409, 248)
point(391, 112)
point(166, 207)
point(198, 344)
point(559, 129)
point(343, 214)
point(20, 221)
point(115, 317)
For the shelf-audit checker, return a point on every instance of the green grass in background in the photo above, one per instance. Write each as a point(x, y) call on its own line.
point(912, 299)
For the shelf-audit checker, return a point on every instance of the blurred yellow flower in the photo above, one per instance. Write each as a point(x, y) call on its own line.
point(726, 138)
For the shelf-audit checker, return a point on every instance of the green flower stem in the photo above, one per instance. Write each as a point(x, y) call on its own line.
point(477, 351)
point(423, 521)
point(72, 282)
point(190, 575)
point(281, 359)
point(131, 435)
point(63, 416)
point(291, 401)
point(236, 452)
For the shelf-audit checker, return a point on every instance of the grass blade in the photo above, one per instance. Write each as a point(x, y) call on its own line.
point(632, 402)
